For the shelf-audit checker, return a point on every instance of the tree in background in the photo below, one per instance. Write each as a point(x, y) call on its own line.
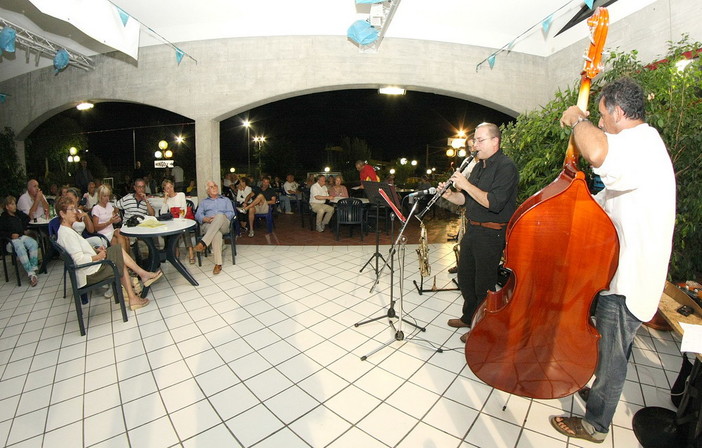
point(47, 150)
point(13, 180)
point(537, 144)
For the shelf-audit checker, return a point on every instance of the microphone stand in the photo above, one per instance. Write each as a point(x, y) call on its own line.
point(397, 330)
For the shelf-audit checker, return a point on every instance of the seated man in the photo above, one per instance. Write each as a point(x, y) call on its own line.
point(132, 204)
point(33, 203)
point(318, 197)
point(214, 214)
point(291, 193)
point(266, 198)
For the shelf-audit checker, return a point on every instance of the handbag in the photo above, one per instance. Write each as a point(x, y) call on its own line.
point(189, 213)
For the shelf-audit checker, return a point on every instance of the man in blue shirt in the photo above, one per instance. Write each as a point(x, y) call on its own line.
point(214, 215)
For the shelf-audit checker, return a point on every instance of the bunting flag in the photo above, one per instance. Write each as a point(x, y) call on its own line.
point(122, 15)
point(3, 96)
point(590, 3)
point(99, 19)
point(546, 25)
point(179, 55)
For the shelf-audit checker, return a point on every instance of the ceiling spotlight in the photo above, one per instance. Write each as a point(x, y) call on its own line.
point(391, 90)
point(85, 106)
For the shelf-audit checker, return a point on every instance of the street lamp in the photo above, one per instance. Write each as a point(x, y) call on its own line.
point(260, 140)
point(247, 124)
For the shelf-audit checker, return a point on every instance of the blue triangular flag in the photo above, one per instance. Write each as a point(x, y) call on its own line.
point(491, 60)
point(590, 3)
point(123, 16)
point(511, 45)
point(546, 25)
point(2, 97)
point(179, 55)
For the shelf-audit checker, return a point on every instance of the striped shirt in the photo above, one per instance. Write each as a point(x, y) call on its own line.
point(131, 207)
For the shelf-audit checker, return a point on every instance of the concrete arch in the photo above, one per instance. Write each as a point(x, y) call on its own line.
point(233, 75)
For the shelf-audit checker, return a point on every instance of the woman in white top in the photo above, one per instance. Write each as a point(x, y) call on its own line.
point(105, 215)
point(172, 199)
point(82, 252)
point(243, 192)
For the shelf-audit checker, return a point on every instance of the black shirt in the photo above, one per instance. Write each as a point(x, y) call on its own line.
point(498, 176)
point(13, 224)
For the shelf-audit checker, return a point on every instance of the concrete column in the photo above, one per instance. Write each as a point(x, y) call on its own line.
point(206, 153)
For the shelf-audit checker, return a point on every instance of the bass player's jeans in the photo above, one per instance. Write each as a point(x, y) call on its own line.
point(617, 326)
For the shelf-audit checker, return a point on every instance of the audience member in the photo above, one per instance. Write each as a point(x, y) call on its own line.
point(191, 189)
point(318, 197)
point(214, 215)
point(105, 216)
point(82, 177)
point(82, 252)
point(172, 199)
point(136, 203)
point(337, 190)
point(178, 176)
point(32, 202)
point(13, 225)
point(261, 203)
point(366, 172)
point(91, 197)
point(290, 193)
point(139, 172)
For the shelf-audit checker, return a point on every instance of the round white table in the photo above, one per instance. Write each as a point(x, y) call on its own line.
point(170, 231)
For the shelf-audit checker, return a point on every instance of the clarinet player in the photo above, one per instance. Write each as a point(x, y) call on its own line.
point(490, 199)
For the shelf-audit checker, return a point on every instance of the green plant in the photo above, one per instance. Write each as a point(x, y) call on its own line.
point(13, 180)
point(537, 143)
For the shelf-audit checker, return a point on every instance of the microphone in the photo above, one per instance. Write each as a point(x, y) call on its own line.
point(431, 190)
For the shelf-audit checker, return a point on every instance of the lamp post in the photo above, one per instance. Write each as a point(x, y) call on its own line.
point(259, 140)
point(247, 124)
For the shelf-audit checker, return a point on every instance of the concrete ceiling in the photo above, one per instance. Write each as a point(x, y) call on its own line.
point(491, 24)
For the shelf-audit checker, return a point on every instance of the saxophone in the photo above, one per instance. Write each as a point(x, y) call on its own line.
point(423, 251)
point(461, 231)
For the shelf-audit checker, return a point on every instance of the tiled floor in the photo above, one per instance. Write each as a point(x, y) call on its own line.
point(266, 354)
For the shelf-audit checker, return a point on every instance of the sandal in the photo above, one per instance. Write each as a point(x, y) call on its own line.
point(33, 280)
point(573, 427)
point(136, 306)
point(150, 281)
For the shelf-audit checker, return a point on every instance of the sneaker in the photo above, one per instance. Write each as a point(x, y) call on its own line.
point(320, 228)
point(33, 280)
point(289, 213)
point(251, 233)
point(109, 292)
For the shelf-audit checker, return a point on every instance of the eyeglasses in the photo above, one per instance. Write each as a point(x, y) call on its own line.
point(71, 209)
point(139, 186)
point(480, 140)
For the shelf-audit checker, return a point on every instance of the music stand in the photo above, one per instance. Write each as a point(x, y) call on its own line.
point(372, 190)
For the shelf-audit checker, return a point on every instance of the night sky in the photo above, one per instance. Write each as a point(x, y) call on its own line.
point(393, 126)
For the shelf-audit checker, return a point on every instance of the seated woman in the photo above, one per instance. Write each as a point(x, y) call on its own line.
point(337, 190)
point(13, 225)
point(244, 194)
point(82, 252)
point(172, 199)
point(191, 189)
point(105, 215)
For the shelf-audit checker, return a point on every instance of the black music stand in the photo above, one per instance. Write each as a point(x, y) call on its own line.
point(372, 192)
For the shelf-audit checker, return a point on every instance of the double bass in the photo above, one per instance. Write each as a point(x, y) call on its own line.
point(534, 337)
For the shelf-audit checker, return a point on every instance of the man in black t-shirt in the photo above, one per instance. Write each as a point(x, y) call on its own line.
point(490, 197)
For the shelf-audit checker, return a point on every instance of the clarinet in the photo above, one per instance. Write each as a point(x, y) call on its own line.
point(447, 185)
